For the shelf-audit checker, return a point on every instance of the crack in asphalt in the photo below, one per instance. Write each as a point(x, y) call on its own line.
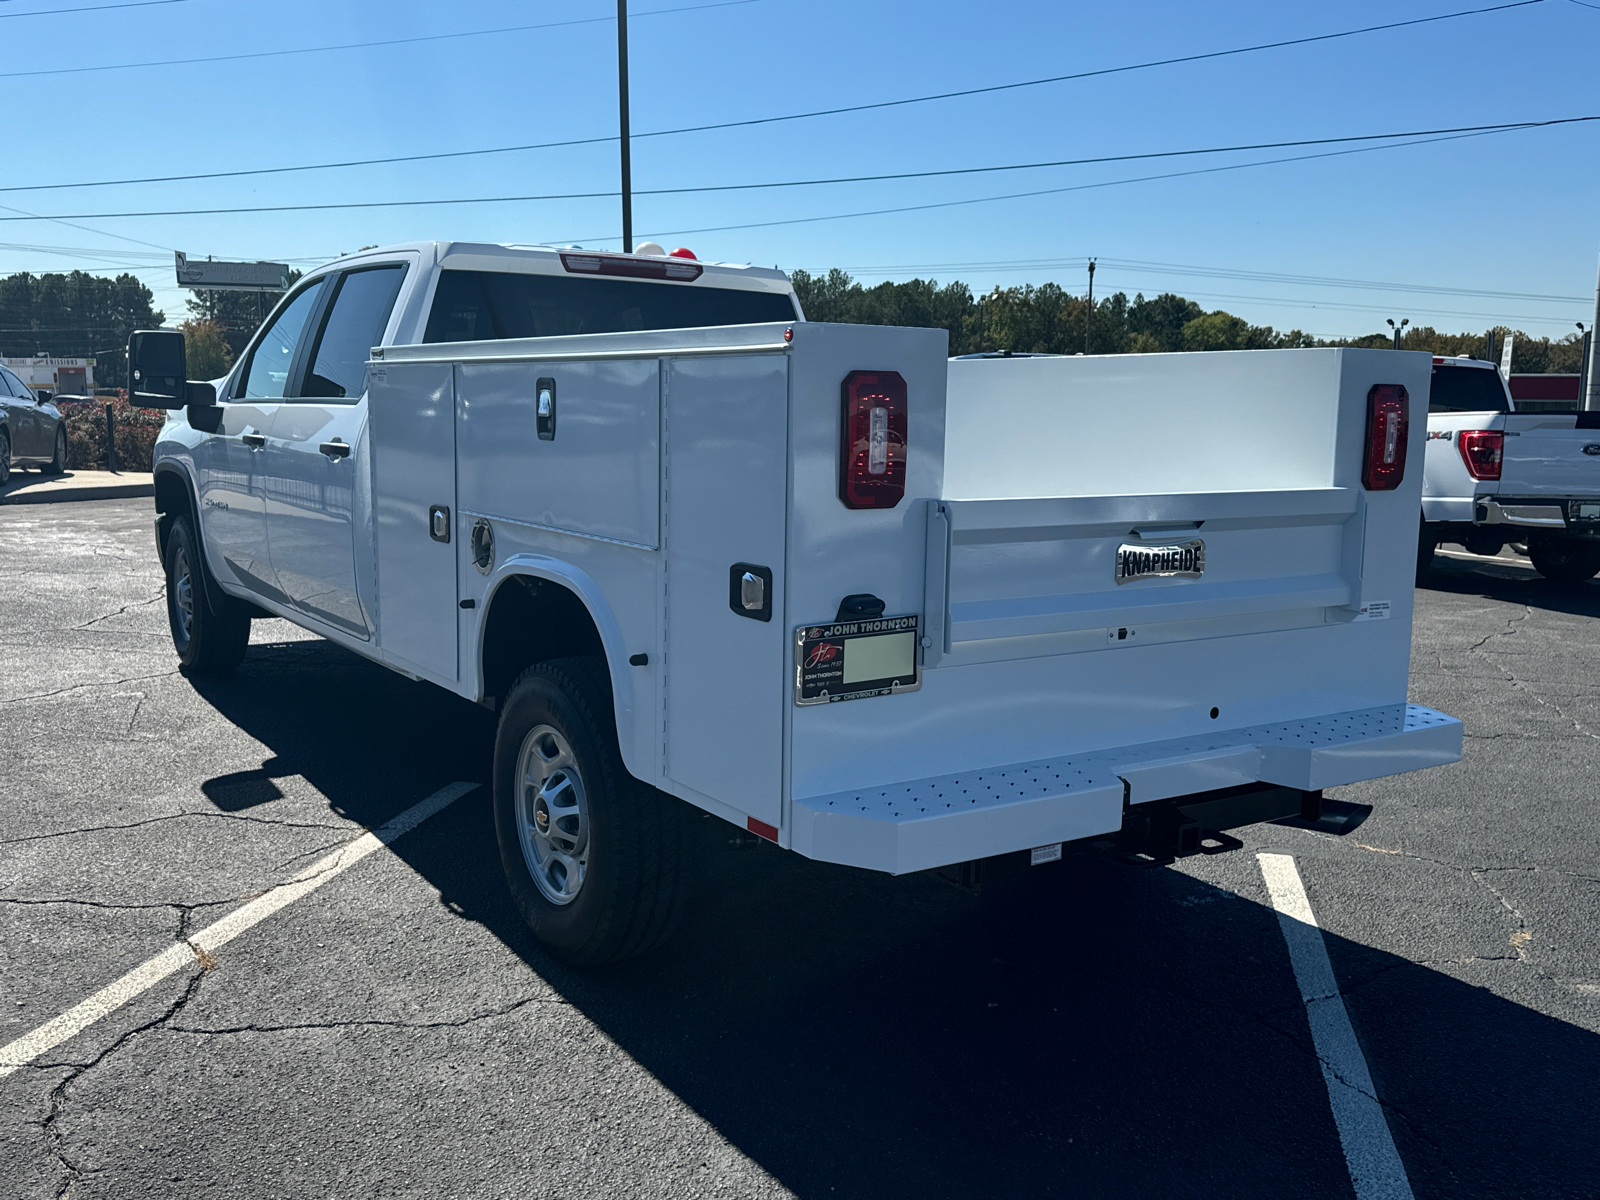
point(371, 1022)
point(55, 1139)
point(81, 686)
point(209, 816)
point(160, 595)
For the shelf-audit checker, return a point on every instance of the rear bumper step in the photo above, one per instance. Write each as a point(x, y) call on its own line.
point(919, 824)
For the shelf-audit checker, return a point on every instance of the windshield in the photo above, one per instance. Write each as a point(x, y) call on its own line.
point(1466, 389)
point(478, 306)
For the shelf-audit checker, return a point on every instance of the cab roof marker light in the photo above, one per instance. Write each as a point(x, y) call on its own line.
point(631, 267)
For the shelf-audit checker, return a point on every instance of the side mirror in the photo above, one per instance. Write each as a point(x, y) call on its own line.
point(156, 369)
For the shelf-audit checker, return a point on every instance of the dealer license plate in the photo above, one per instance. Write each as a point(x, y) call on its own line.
point(851, 660)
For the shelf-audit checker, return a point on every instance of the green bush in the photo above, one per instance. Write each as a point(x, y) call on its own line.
point(137, 429)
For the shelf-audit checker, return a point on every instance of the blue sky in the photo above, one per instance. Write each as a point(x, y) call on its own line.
point(1512, 214)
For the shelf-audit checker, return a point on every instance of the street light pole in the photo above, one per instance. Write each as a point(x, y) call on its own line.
point(1398, 328)
point(622, 103)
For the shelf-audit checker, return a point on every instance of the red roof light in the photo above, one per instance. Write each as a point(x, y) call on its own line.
point(683, 252)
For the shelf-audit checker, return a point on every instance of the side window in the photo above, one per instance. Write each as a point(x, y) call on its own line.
point(5, 383)
point(356, 320)
point(267, 376)
point(10, 383)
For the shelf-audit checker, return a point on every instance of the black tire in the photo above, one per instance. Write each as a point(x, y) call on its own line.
point(58, 463)
point(1427, 544)
point(1565, 560)
point(628, 896)
point(5, 458)
point(206, 643)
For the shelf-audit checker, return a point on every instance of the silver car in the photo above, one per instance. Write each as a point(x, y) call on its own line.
point(31, 432)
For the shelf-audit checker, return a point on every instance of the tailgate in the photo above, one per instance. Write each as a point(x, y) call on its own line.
point(1010, 577)
point(1546, 455)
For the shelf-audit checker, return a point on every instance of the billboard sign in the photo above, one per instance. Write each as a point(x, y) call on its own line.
point(208, 275)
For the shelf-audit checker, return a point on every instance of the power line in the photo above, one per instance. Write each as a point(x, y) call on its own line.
point(406, 41)
point(590, 141)
point(1079, 187)
point(1420, 135)
point(56, 12)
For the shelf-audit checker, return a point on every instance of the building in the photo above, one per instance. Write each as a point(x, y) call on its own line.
point(57, 376)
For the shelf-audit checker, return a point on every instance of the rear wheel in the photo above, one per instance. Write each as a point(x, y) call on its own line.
point(5, 457)
point(591, 855)
point(206, 643)
point(1565, 560)
point(1426, 545)
point(58, 464)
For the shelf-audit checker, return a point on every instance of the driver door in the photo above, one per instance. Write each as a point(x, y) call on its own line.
point(231, 480)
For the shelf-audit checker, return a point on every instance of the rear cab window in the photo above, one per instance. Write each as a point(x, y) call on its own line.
point(476, 306)
point(1466, 389)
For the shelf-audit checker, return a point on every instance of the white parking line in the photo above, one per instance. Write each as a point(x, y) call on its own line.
point(174, 958)
point(1375, 1167)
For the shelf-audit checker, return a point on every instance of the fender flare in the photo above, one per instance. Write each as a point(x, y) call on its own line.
point(579, 583)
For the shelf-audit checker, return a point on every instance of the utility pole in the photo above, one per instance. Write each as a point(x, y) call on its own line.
point(1583, 363)
point(1404, 321)
point(1088, 324)
point(1591, 384)
point(622, 101)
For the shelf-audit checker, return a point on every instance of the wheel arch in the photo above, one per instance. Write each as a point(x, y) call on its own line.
point(539, 608)
point(174, 498)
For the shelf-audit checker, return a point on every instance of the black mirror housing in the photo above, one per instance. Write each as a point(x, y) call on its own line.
point(157, 369)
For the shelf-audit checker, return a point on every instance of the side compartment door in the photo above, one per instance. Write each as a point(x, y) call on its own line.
point(229, 460)
point(412, 435)
point(726, 421)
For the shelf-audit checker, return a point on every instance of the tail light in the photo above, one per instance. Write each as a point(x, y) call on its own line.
point(1482, 450)
point(1388, 425)
point(872, 428)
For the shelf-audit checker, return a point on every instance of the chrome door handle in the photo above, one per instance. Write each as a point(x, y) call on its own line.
point(254, 440)
point(335, 449)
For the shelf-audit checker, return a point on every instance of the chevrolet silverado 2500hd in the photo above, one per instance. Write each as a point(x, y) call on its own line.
point(872, 605)
point(1494, 475)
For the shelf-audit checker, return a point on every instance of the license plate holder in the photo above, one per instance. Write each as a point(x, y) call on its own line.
point(854, 660)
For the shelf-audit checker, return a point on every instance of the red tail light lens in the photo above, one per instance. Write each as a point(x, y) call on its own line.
point(1482, 450)
point(1388, 425)
point(872, 453)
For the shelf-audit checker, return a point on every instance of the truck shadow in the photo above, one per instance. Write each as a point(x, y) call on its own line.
point(1087, 1028)
point(1514, 581)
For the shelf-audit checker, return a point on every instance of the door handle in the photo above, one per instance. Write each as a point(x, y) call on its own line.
point(335, 448)
point(254, 440)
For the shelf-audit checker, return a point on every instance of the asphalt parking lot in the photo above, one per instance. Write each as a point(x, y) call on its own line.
point(1088, 1029)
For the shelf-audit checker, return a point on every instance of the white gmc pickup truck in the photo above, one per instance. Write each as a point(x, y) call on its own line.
point(1494, 475)
point(872, 605)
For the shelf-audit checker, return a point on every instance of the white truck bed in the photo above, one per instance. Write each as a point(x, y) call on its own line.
point(1050, 697)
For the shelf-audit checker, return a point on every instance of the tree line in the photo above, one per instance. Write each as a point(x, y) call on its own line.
point(79, 315)
point(1045, 318)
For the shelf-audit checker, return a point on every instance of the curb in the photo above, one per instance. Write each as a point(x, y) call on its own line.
point(106, 491)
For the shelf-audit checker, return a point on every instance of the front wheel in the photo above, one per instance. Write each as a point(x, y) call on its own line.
point(58, 464)
point(5, 458)
point(591, 855)
point(1565, 560)
point(206, 643)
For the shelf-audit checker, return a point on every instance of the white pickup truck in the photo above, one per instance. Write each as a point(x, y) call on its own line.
point(1494, 475)
point(875, 606)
